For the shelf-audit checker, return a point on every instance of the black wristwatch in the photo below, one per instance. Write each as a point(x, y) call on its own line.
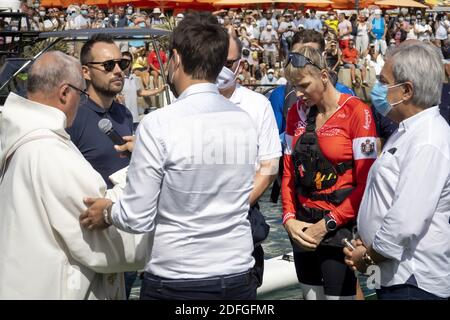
point(330, 223)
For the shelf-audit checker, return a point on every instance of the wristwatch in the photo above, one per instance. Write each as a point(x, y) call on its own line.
point(368, 259)
point(330, 223)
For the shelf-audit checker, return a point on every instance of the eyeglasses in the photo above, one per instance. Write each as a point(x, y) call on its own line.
point(83, 93)
point(299, 61)
point(229, 63)
point(110, 64)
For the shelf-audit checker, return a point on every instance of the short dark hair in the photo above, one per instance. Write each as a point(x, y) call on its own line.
point(128, 54)
point(202, 44)
point(85, 54)
point(306, 36)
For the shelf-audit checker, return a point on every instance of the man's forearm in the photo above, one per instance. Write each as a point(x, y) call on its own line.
point(262, 182)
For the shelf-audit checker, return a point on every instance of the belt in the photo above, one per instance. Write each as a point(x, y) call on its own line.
point(242, 277)
point(313, 213)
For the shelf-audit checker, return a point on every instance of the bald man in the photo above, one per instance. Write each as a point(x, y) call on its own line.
point(44, 253)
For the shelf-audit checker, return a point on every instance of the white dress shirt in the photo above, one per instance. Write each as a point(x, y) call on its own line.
point(189, 181)
point(261, 112)
point(405, 211)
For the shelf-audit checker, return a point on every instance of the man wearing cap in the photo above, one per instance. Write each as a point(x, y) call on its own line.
point(178, 18)
point(378, 32)
point(156, 17)
point(286, 30)
point(269, 41)
point(269, 78)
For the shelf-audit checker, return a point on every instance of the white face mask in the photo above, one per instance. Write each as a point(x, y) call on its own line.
point(226, 78)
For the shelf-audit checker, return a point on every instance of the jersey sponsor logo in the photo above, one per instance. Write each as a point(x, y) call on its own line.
point(364, 148)
point(367, 119)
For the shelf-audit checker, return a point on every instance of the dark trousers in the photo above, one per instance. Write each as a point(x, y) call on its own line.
point(405, 292)
point(240, 286)
point(130, 277)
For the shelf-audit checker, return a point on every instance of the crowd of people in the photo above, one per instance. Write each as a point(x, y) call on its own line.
point(353, 41)
point(176, 193)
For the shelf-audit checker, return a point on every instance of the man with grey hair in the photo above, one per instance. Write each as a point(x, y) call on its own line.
point(404, 216)
point(43, 178)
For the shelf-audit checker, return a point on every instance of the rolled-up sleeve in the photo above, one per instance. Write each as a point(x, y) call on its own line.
point(135, 212)
point(417, 195)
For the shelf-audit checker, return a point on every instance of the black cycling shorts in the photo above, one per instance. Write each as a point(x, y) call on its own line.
point(326, 267)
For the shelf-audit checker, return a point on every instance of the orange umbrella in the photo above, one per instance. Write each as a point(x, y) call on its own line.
point(56, 3)
point(96, 2)
point(401, 3)
point(250, 2)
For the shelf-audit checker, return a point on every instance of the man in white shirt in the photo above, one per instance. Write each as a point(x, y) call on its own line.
point(404, 217)
point(263, 118)
point(190, 179)
point(269, 41)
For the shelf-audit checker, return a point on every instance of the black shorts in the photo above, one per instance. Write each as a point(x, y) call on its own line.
point(326, 267)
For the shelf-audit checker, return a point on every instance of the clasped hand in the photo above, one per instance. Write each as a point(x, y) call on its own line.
point(307, 235)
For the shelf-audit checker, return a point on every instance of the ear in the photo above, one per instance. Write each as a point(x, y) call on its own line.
point(63, 93)
point(325, 77)
point(86, 73)
point(408, 91)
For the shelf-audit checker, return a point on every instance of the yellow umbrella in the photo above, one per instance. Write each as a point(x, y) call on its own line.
point(401, 3)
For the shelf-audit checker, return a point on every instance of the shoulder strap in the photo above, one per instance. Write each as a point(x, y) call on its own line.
point(25, 139)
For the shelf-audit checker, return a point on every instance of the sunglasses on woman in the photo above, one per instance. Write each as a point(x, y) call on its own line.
point(299, 61)
point(109, 65)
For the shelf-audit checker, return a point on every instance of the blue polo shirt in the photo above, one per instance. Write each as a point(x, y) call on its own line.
point(96, 146)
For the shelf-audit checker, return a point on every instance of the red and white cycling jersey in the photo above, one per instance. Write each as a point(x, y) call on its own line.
point(349, 134)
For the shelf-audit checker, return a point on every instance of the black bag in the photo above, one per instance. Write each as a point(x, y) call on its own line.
point(260, 229)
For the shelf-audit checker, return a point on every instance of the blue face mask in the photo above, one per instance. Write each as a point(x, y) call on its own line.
point(142, 24)
point(379, 98)
point(270, 76)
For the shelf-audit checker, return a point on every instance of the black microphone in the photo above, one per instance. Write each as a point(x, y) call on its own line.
point(105, 126)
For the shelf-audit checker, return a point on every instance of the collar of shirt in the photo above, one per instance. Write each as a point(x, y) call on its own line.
point(416, 119)
point(198, 88)
point(91, 104)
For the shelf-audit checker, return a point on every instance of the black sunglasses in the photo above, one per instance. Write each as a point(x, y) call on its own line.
point(299, 61)
point(110, 64)
point(82, 92)
point(229, 63)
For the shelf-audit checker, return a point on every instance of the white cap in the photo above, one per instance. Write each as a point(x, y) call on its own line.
point(270, 71)
point(180, 15)
point(156, 10)
point(377, 11)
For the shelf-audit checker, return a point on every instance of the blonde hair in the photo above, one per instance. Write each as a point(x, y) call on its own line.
point(293, 74)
